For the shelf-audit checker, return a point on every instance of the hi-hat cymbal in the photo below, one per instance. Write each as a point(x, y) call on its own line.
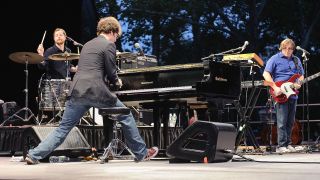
point(23, 57)
point(64, 56)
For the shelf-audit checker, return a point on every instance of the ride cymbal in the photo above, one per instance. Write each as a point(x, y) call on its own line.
point(24, 57)
point(64, 56)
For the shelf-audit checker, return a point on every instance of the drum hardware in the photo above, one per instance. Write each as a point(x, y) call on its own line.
point(25, 58)
point(66, 56)
point(54, 102)
point(53, 94)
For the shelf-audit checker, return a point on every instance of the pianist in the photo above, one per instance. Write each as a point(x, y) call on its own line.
point(89, 89)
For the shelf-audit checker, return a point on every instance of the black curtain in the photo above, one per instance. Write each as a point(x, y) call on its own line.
point(89, 20)
point(23, 25)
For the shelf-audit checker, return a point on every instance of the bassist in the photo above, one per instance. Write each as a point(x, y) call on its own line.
point(280, 68)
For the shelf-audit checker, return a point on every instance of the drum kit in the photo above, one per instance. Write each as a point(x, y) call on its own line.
point(52, 93)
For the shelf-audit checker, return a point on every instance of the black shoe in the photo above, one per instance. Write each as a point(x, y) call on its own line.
point(31, 161)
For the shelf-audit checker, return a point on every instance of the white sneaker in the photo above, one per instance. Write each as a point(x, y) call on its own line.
point(282, 150)
point(291, 148)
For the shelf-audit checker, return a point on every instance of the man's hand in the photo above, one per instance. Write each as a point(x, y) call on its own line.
point(40, 49)
point(296, 86)
point(277, 91)
point(118, 84)
point(74, 69)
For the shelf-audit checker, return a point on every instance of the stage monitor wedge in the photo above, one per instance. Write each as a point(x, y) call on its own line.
point(202, 139)
point(74, 145)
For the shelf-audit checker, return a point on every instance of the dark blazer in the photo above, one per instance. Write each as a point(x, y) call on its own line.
point(96, 65)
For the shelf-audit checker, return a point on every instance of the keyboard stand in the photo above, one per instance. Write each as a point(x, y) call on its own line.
point(245, 113)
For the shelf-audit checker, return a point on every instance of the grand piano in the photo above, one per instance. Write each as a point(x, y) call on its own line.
point(163, 87)
point(211, 79)
point(159, 83)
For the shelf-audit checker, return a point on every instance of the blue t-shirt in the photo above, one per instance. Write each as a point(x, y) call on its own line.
point(281, 68)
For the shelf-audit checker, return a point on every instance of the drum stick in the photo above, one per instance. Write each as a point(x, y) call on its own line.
point(44, 35)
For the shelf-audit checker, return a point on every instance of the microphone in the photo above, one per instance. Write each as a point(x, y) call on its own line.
point(246, 43)
point(137, 46)
point(303, 50)
point(74, 42)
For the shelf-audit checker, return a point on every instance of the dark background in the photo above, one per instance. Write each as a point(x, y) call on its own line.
point(23, 26)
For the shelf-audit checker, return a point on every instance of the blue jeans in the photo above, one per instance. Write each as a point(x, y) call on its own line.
point(71, 117)
point(285, 119)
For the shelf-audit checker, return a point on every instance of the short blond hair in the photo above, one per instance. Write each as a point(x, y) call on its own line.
point(60, 29)
point(108, 25)
point(287, 42)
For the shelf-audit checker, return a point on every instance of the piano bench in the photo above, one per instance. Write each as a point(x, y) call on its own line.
point(110, 123)
point(114, 146)
point(114, 111)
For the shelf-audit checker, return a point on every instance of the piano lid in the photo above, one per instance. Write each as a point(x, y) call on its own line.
point(244, 57)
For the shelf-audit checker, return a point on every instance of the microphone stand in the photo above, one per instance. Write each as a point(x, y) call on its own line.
point(305, 63)
point(230, 51)
point(75, 43)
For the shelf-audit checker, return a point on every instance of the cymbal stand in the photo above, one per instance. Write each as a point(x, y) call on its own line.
point(270, 120)
point(67, 62)
point(26, 110)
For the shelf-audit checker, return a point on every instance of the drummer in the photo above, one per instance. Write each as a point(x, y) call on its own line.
point(56, 69)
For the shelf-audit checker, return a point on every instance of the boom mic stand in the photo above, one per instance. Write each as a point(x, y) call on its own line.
point(230, 51)
point(306, 88)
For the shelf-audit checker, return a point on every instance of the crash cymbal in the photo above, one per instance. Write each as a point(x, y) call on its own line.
point(64, 56)
point(22, 57)
point(126, 55)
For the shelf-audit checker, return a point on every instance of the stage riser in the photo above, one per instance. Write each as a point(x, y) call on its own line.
point(11, 138)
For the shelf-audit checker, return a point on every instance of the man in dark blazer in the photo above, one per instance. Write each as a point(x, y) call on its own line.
point(89, 89)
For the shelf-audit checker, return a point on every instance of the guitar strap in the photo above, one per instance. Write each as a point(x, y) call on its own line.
point(295, 60)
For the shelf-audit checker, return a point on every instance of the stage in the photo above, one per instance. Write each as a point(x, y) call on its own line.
point(263, 165)
point(12, 137)
point(288, 166)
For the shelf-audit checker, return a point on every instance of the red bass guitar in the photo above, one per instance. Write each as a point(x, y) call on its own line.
point(287, 87)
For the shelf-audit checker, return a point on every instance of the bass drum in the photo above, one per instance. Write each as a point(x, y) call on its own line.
point(53, 94)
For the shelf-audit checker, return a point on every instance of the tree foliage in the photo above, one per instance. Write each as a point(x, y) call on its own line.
point(183, 31)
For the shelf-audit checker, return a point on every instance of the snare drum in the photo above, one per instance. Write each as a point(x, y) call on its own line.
point(53, 93)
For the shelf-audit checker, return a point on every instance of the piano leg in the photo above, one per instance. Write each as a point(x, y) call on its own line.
point(161, 116)
point(156, 126)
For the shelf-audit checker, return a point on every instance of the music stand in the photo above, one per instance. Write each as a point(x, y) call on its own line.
point(25, 58)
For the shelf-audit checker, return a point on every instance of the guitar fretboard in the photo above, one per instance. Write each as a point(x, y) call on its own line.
point(311, 77)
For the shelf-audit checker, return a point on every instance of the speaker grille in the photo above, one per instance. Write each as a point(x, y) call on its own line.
point(74, 145)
